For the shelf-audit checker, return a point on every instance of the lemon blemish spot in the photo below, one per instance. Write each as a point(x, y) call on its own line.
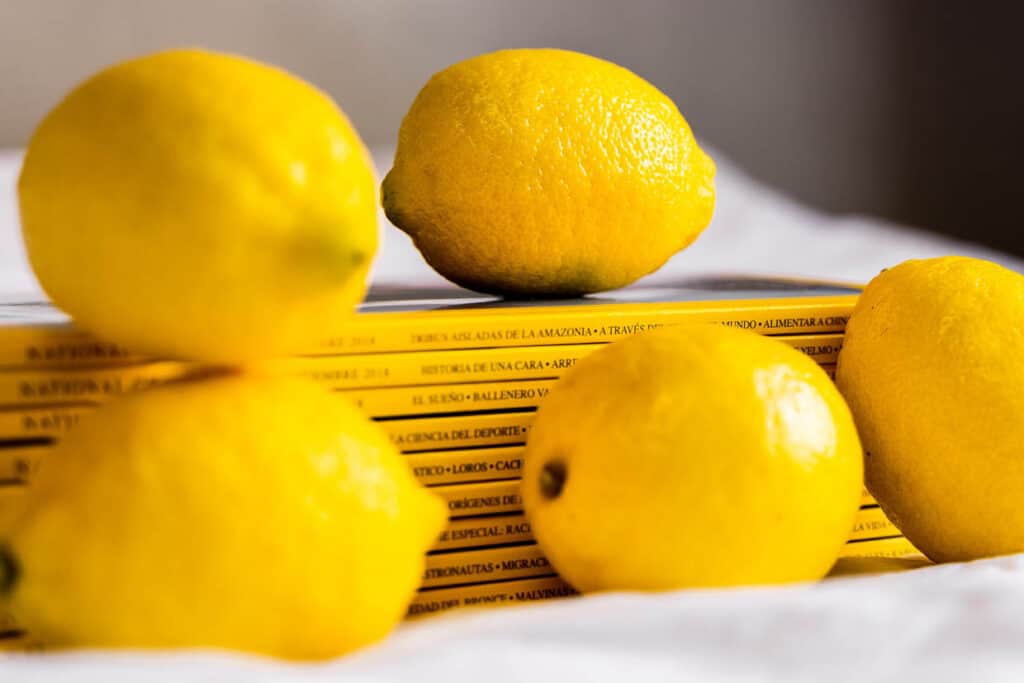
point(552, 479)
point(10, 570)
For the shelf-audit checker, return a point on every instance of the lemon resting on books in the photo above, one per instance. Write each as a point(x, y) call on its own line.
point(932, 367)
point(238, 512)
point(690, 457)
point(546, 172)
point(190, 204)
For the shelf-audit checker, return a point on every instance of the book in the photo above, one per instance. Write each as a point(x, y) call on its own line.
point(872, 523)
point(438, 600)
point(34, 334)
point(489, 564)
point(491, 514)
point(493, 594)
point(893, 546)
point(93, 385)
point(489, 530)
point(511, 528)
point(39, 423)
point(19, 464)
point(432, 468)
point(509, 561)
point(467, 465)
point(487, 498)
point(450, 446)
point(18, 423)
point(480, 503)
point(43, 426)
point(861, 566)
point(483, 464)
point(417, 435)
point(485, 365)
point(469, 397)
point(440, 399)
point(527, 560)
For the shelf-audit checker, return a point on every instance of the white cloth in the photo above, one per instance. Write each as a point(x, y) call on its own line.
point(950, 623)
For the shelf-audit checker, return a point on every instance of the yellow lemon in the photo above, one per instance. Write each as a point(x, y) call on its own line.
point(692, 456)
point(244, 512)
point(546, 172)
point(932, 367)
point(200, 205)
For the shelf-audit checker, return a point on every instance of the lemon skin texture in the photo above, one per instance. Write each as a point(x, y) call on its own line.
point(932, 367)
point(199, 205)
point(694, 456)
point(244, 513)
point(545, 173)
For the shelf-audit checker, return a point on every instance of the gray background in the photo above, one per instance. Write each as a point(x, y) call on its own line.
point(909, 110)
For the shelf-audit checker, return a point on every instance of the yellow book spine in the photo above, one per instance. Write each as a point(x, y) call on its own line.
point(429, 602)
point(44, 387)
point(471, 505)
point(432, 468)
point(488, 498)
point(861, 566)
point(27, 421)
point(439, 367)
point(49, 345)
point(479, 500)
point(19, 465)
point(473, 532)
point(433, 433)
point(894, 546)
point(484, 365)
point(58, 346)
point(504, 496)
point(415, 437)
point(872, 523)
point(465, 466)
point(479, 566)
point(491, 564)
point(437, 399)
point(578, 324)
point(49, 422)
point(411, 434)
point(381, 402)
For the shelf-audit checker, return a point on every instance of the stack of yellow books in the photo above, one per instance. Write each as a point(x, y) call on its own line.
point(453, 377)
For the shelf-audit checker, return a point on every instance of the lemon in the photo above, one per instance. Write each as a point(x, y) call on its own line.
point(178, 202)
point(692, 457)
point(244, 512)
point(546, 172)
point(932, 367)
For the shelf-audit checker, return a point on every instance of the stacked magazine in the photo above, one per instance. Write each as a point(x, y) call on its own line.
point(453, 377)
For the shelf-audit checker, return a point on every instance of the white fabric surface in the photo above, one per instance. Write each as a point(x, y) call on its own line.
point(950, 623)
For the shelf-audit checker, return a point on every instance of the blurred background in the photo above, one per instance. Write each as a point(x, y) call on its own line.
point(912, 111)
